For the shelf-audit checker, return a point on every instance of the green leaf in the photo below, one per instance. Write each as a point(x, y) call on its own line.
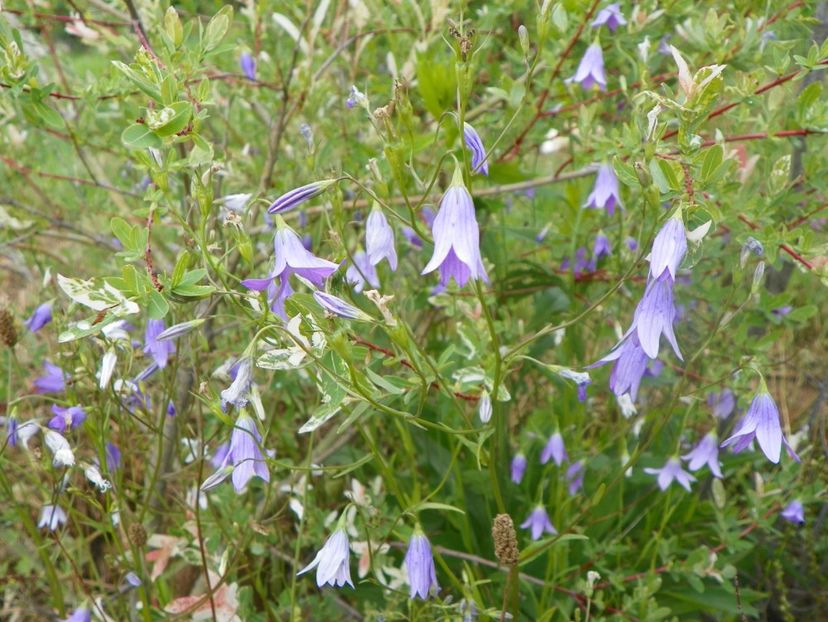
point(97, 295)
point(712, 160)
point(50, 117)
point(217, 28)
point(139, 136)
point(182, 111)
point(136, 78)
point(432, 505)
point(158, 306)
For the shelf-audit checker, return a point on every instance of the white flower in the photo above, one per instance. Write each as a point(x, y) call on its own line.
point(59, 446)
point(331, 562)
point(107, 367)
point(94, 475)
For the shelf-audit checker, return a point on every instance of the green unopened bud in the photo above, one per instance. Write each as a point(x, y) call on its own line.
point(523, 35)
point(644, 177)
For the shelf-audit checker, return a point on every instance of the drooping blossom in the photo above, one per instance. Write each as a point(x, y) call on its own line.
point(669, 248)
point(82, 614)
point(159, 350)
point(59, 446)
point(65, 418)
point(479, 164)
point(336, 306)
point(591, 69)
point(235, 203)
point(606, 193)
point(670, 472)
point(290, 258)
point(706, 452)
point(113, 457)
point(554, 450)
point(419, 564)
point(11, 431)
point(331, 562)
point(51, 517)
point(379, 239)
point(781, 312)
point(93, 474)
point(631, 243)
point(297, 196)
point(485, 407)
point(575, 477)
point(356, 97)
point(108, 362)
point(518, 467)
point(601, 247)
point(581, 379)
point(655, 315)
point(538, 522)
point(412, 237)
point(721, 403)
point(762, 423)
point(41, 316)
point(52, 381)
point(244, 459)
point(630, 365)
point(362, 272)
point(610, 16)
point(582, 263)
point(456, 237)
point(248, 65)
point(238, 393)
point(794, 513)
point(171, 412)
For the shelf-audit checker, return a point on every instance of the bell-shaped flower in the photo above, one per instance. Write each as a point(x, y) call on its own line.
point(655, 315)
point(82, 614)
point(554, 450)
point(336, 306)
point(113, 457)
point(159, 350)
point(65, 418)
point(291, 257)
point(479, 164)
point(51, 517)
point(484, 410)
point(52, 381)
point(331, 562)
point(670, 472)
point(243, 459)
point(41, 316)
point(669, 247)
point(518, 467)
point(238, 392)
point(575, 477)
point(794, 513)
point(610, 16)
point(606, 193)
point(591, 69)
point(456, 237)
point(59, 446)
point(762, 423)
point(706, 452)
point(722, 403)
point(108, 361)
point(379, 239)
point(630, 365)
point(538, 522)
point(419, 563)
point(248, 65)
point(362, 272)
point(297, 196)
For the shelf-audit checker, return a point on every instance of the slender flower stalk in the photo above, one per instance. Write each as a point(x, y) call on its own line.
point(456, 237)
point(419, 563)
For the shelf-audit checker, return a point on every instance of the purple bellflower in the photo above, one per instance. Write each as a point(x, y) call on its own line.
point(171, 412)
point(290, 258)
point(248, 65)
point(518, 467)
point(706, 452)
point(456, 237)
point(631, 243)
point(554, 450)
point(243, 460)
point(630, 365)
point(41, 316)
point(601, 247)
point(113, 457)
point(159, 350)
point(82, 614)
point(238, 393)
point(297, 196)
point(412, 237)
point(538, 522)
point(331, 562)
point(65, 418)
point(361, 271)
point(52, 381)
point(611, 17)
point(419, 563)
point(794, 513)
point(11, 431)
point(575, 477)
point(655, 315)
point(582, 263)
point(778, 313)
point(672, 471)
point(51, 517)
point(722, 403)
point(479, 164)
point(336, 306)
point(762, 423)
point(669, 247)
point(605, 194)
point(591, 69)
point(379, 239)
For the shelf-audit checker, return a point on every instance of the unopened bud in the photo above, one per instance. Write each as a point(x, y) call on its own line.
point(523, 35)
